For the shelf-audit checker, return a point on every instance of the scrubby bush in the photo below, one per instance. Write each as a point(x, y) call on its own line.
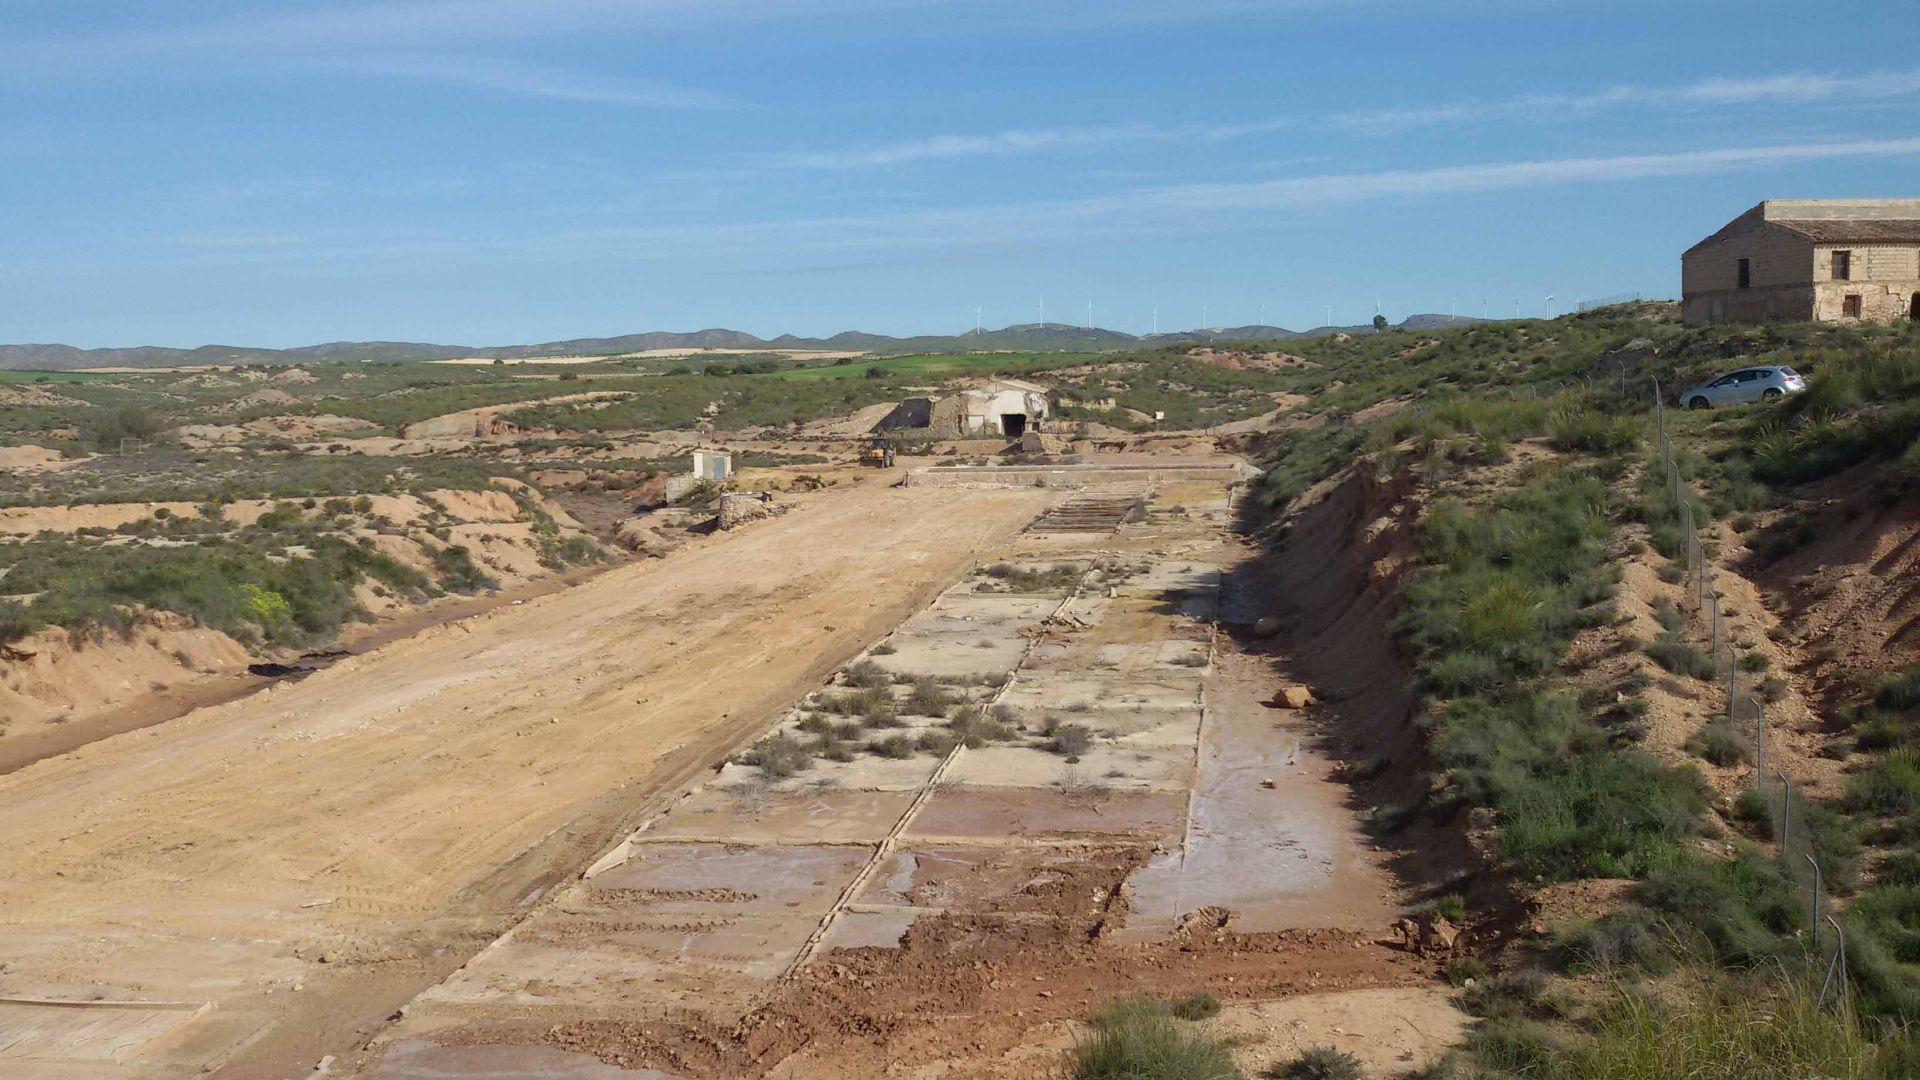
point(1320, 1063)
point(1889, 785)
point(1570, 427)
point(1631, 936)
point(973, 727)
point(892, 746)
point(1717, 742)
point(1772, 1027)
point(929, 698)
point(1677, 655)
point(1138, 1039)
point(1466, 969)
point(1737, 910)
point(1199, 1005)
point(1022, 579)
point(106, 429)
point(454, 567)
point(1071, 740)
point(779, 756)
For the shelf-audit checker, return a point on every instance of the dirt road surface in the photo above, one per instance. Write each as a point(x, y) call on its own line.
point(310, 857)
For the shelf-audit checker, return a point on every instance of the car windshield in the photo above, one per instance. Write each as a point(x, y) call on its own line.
point(1788, 371)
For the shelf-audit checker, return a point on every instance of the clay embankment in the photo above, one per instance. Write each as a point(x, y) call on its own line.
point(63, 688)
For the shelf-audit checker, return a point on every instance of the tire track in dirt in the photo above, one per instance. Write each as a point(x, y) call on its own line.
point(394, 803)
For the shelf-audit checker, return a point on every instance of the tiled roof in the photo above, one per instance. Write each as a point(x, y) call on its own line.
point(1856, 230)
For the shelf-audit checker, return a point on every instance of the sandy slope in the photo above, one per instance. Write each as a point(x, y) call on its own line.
point(283, 854)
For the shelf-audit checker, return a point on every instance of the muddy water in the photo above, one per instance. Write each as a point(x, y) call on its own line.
point(1285, 856)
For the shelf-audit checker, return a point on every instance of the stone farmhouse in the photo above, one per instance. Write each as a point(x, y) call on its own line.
point(1832, 260)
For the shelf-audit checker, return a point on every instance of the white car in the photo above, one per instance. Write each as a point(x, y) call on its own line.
point(1745, 386)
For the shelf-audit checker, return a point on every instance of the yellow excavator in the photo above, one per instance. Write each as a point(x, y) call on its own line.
point(879, 453)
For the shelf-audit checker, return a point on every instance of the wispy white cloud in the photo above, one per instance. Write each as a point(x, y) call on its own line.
point(1803, 88)
point(401, 24)
point(1013, 142)
point(1168, 210)
point(1717, 92)
point(533, 80)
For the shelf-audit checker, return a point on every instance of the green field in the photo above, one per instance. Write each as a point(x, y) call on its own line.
point(941, 365)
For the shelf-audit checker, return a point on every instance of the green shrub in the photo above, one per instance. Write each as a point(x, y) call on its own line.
point(1631, 936)
point(1717, 742)
point(1756, 806)
point(1670, 618)
point(779, 756)
point(1021, 579)
point(1517, 993)
point(1890, 784)
point(1321, 1063)
point(1896, 1058)
point(1138, 1039)
point(1071, 740)
point(1899, 691)
point(1198, 1005)
point(1466, 969)
point(1875, 730)
point(1572, 428)
point(454, 567)
point(1516, 1046)
point(938, 743)
point(1773, 1028)
point(1674, 653)
point(17, 620)
point(929, 698)
point(1739, 909)
point(107, 428)
point(892, 746)
point(973, 727)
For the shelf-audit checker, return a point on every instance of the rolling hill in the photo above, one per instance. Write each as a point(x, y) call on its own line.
point(1024, 337)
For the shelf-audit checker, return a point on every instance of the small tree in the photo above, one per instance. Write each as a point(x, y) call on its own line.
point(1379, 322)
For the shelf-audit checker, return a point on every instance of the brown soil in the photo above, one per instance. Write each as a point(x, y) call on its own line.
point(60, 690)
point(979, 986)
point(1246, 361)
point(1853, 595)
point(356, 834)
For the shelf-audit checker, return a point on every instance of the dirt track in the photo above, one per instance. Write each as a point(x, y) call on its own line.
point(337, 843)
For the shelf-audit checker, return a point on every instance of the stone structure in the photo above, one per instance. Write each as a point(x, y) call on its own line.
point(1835, 260)
point(740, 507)
point(994, 407)
point(709, 467)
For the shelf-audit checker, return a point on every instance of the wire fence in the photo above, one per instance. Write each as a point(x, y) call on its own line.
point(1607, 301)
point(1773, 797)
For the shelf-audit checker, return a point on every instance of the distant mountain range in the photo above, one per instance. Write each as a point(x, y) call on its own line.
point(1026, 337)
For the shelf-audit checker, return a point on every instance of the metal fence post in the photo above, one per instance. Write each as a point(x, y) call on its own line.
point(1759, 744)
point(1715, 632)
point(1836, 966)
point(1786, 808)
point(1816, 898)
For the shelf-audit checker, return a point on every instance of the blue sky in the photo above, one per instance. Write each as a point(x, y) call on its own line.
point(499, 171)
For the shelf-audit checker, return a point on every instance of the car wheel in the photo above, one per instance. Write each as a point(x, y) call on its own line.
point(1696, 403)
point(1770, 392)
